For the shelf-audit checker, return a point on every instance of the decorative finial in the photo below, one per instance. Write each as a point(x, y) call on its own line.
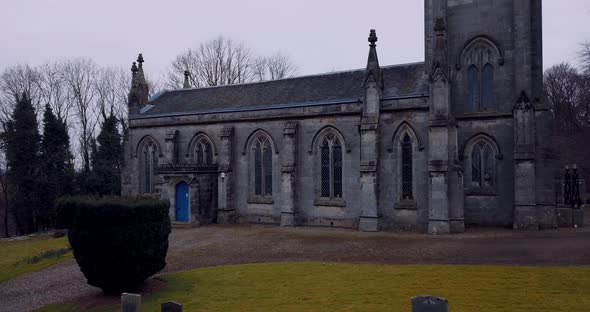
point(140, 59)
point(187, 83)
point(372, 37)
point(134, 69)
point(439, 25)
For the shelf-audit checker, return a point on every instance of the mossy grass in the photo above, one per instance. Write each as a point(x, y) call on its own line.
point(33, 254)
point(312, 286)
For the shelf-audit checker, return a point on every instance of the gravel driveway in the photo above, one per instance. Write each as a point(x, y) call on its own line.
point(221, 245)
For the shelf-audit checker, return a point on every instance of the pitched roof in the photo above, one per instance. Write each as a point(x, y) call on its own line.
point(399, 81)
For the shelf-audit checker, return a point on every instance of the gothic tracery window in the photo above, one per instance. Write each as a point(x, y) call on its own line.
point(482, 165)
point(149, 163)
point(203, 152)
point(262, 157)
point(479, 58)
point(407, 173)
point(480, 87)
point(331, 167)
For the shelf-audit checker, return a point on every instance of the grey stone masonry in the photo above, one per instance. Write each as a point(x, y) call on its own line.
point(226, 211)
point(171, 306)
point(289, 153)
point(429, 304)
point(463, 138)
point(130, 302)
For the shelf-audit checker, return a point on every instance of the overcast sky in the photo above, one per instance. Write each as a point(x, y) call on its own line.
point(319, 35)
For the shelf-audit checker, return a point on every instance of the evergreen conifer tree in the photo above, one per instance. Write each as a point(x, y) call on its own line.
point(22, 155)
point(56, 165)
point(107, 159)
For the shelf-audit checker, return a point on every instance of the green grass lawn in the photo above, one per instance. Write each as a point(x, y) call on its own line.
point(30, 255)
point(363, 287)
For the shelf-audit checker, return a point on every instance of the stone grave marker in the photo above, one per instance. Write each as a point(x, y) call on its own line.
point(171, 306)
point(130, 302)
point(429, 304)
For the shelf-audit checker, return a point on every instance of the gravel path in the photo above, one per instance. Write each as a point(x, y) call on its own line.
point(222, 245)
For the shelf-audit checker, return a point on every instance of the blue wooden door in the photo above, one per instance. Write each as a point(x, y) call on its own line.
point(182, 202)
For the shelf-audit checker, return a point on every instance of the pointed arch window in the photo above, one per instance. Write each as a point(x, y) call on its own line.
point(331, 167)
point(482, 166)
point(262, 166)
point(203, 152)
point(407, 176)
point(149, 163)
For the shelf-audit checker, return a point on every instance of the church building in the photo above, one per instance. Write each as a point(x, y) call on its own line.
point(460, 139)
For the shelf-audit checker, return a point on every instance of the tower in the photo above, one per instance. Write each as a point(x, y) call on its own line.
point(493, 77)
point(139, 92)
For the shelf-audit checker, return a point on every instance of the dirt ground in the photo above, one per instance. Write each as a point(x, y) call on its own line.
point(222, 245)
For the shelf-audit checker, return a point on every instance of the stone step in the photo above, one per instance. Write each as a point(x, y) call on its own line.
point(184, 225)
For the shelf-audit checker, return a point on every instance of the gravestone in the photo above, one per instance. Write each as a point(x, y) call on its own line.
point(429, 304)
point(171, 306)
point(130, 302)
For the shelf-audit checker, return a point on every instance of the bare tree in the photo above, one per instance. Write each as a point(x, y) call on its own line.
point(280, 66)
point(277, 66)
point(222, 61)
point(562, 87)
point(80, 76)
point(13, 82)
point(188, 60)
point(54, 90)
point(568, 92)
point(584, 54)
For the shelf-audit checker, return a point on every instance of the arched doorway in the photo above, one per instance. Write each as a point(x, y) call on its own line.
point(182, 202)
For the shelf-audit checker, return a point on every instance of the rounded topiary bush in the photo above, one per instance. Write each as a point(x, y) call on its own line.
point(118, 242)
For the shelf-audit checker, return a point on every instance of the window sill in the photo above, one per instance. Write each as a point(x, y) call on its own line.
point(406, 205)
point(480, 192)
point(257, 199)
point(330, 202)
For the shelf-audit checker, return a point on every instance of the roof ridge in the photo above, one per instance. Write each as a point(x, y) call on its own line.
point(292, 78)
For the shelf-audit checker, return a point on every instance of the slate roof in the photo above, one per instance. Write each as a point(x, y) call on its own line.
point(399, 81)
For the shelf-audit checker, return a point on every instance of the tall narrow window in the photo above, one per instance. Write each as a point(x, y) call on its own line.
point(258, 169)
point(149, 163)
point(487, 86)
point(476, 166)
point(262, 156)
point(267, 165)
point(331, 167)
point(407, 168)
point(326, 181)
point(473, 87)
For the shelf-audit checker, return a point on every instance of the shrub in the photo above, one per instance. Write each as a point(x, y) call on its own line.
point(118, 242)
